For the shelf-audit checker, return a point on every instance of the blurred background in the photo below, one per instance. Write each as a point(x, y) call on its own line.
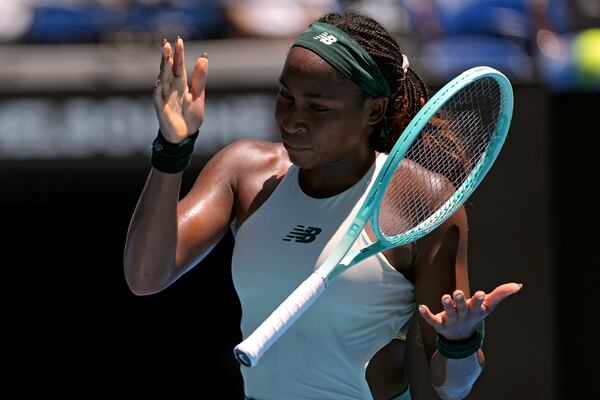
point(77, 121)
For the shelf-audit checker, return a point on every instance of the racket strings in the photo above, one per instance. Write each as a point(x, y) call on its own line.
point(440, 161)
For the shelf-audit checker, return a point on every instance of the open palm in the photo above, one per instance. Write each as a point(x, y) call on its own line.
point(180, 109)
point(461, 316)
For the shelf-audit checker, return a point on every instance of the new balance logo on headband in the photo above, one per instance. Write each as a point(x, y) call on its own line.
point(300, 234)
point(325, 38)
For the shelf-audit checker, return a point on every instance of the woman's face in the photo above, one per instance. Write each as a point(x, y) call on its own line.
point(323, 117)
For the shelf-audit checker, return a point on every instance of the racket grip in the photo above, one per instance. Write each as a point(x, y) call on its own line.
point(249, 352)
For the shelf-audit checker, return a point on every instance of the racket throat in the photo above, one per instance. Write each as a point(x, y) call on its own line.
point(354, 257)
point(365, 253)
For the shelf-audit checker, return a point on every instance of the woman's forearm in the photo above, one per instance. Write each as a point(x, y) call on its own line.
point(150, 249)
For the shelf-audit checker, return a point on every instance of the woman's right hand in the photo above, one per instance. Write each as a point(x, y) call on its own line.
point(180, 109)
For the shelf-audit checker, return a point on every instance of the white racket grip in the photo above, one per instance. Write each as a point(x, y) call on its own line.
point(249, 352)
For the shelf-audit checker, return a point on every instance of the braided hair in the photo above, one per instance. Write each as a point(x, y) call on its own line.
point(407, 87)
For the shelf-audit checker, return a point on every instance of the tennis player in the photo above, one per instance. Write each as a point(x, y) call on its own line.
point(346, 93)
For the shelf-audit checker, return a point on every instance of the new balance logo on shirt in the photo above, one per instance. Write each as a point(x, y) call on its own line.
point(302, 234)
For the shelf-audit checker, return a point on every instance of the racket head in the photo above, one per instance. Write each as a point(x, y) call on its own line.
point(420, 186)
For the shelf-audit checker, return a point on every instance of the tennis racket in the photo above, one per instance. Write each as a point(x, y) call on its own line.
point(435, 165)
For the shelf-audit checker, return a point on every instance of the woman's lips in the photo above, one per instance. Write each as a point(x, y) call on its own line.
point(294, 147)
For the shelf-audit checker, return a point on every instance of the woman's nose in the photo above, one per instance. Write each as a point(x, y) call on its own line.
point(293, 122)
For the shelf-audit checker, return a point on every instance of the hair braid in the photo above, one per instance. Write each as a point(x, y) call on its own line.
point(407, 88)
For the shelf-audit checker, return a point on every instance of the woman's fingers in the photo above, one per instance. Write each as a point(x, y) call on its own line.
point(432, 319)
point(179, 72)
point(460, 315)
point(162, 57)
point(173, 75)
point(460, 304)
point(157, 93)
point(159, 102)
point(199, 76)
point(499, 294)
point(449, 309)
point(475, 303)
point(166, 73)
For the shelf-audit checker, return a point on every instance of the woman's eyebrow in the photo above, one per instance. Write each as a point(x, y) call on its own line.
point(320, 96)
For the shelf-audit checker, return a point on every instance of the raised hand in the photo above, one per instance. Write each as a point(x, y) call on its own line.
point(179, 108)
point(461, 317)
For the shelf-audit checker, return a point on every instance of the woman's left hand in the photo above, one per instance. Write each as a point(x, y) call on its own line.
point(461, 317)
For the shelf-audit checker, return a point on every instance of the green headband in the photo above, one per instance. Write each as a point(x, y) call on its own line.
point(345, 54)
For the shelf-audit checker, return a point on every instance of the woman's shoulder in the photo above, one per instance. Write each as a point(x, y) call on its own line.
point(256, 156)
point(257, 168)
point(418, 193)
point(256, 148)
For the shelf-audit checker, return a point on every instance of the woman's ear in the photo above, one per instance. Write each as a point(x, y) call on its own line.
point(422, 102)
point(377, 109)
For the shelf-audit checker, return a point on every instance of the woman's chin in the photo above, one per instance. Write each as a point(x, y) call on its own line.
point(301, 158)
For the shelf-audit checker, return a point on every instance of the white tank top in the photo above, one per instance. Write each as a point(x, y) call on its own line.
point(324, 355)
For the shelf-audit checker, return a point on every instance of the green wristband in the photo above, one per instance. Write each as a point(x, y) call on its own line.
point(462, 348)
point(170, 157)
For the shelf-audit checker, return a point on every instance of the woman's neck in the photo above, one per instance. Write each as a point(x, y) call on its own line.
point(337, 177)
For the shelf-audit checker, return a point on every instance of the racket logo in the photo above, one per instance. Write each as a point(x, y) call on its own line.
point(302, 234)
point(354, 229)
point(325, 38)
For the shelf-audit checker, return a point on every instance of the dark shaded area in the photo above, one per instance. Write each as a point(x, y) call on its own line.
point(575, 171)
point(68, 303)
